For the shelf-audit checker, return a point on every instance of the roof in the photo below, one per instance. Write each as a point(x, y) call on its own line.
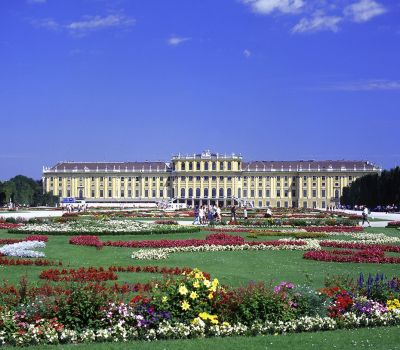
point(318, 165)
point(102, 166)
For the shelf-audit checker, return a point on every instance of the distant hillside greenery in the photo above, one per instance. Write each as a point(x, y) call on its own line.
point(23, 190)
point(373, 190)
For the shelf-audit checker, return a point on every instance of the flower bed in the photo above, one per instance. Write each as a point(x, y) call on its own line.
point(190, 306)
point(27, 262)
point(393, 224)
point(371, 256)
point(163, 253)
point(24, 249)
point(7, 225)
point(101, 274)
point(334, 229)
point(166, 222)
point(102, 227)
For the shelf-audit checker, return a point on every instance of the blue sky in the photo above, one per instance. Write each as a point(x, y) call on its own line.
point(95, 80)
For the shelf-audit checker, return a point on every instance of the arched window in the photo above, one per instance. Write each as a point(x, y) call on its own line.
point(221, 192)
point(336, 194)
point(198, 192)
point(183, 166)
point(80, 194)
point(206, 193)
point(214, 192)
point(190, 192)
point(182, 193)
point(214, 166)
point(229, 194)
point(221, 166)
point(205, 165)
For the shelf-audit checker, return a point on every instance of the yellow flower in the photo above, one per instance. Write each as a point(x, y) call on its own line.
point(196, 284)
point(210, 296)
point(393, 304)
point(164, 299)
point(203, 315)
point(226, 324)
point(215, 282)
point(193, 295)
point(213, 289)
point(198, 275)
point(207, 283)
point(182, 289)
point(185, 305)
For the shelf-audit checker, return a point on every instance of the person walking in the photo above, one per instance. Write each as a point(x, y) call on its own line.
point(365, 214)
point(245, 213)
point(233, 213)
point(201, 215)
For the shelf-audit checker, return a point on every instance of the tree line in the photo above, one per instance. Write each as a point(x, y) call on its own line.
point(22, 190)
point(374, 190)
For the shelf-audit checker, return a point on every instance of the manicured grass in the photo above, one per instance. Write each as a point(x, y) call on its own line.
point(377, 338)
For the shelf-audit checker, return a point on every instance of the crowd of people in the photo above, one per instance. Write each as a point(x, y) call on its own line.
point(206, 214)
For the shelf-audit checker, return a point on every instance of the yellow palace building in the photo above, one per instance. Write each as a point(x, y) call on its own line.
point(207, 178)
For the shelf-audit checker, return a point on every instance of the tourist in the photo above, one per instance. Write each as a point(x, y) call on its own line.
point(219, 218)
point(201, 216)
point(245, 213)
point(365, 214)
point(233, 213)
point(196, 215)
point(268, 213)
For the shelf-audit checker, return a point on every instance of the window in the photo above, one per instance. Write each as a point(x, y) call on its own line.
point(137, 194)
point(314, 184)
point(259, 204)
point(109, 193)
point(229, 166)
point(304, 193)
point(229, 178)
point(229, 193)
point(244, 193)
point(323, 205)
point(122, 179)
point(314, 193)
point(206, 166)
point(197, 166)
point(221, 178)
point(101, 193)
point(314, 205)
point(268, 193)
point(197, 192)
point(336, 178)
point(336, 194)
point(214, 166)
point(60, 193)
point(305, 205)
point(278, 193)
point(286, 193)
point(304, 178)
point(323, 184)
point(214, 193)
point(129, 193)
point(293, 193)
point(110, 178)
point(92, 193)
point(206, 193)
point(146, 193)
point(190, 178)
point(60, 178)
point(221, 166)
point(286, 204)
point(101, 178)
point(323, 178)
point(153, 193)
point(278, 204)
point(314, 178)
point(190, 166)
point(197, 178)
point(214, 178)
point(278, 178)
point(323, 193)
point(260, 193)
point(122, 194)
point(286, 178)
point(205, 178)
point(183, 166)
point(350, 178)
point(182, 178)
point(182, 193)
point(268, 203)
point(190, 192)
point(161, 193)
point(252, 193)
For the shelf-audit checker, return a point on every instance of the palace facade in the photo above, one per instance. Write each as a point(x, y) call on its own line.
point(207, 178)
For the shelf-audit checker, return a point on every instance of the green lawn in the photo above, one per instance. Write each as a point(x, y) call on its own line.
point(231, 268)
point(377, 338)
